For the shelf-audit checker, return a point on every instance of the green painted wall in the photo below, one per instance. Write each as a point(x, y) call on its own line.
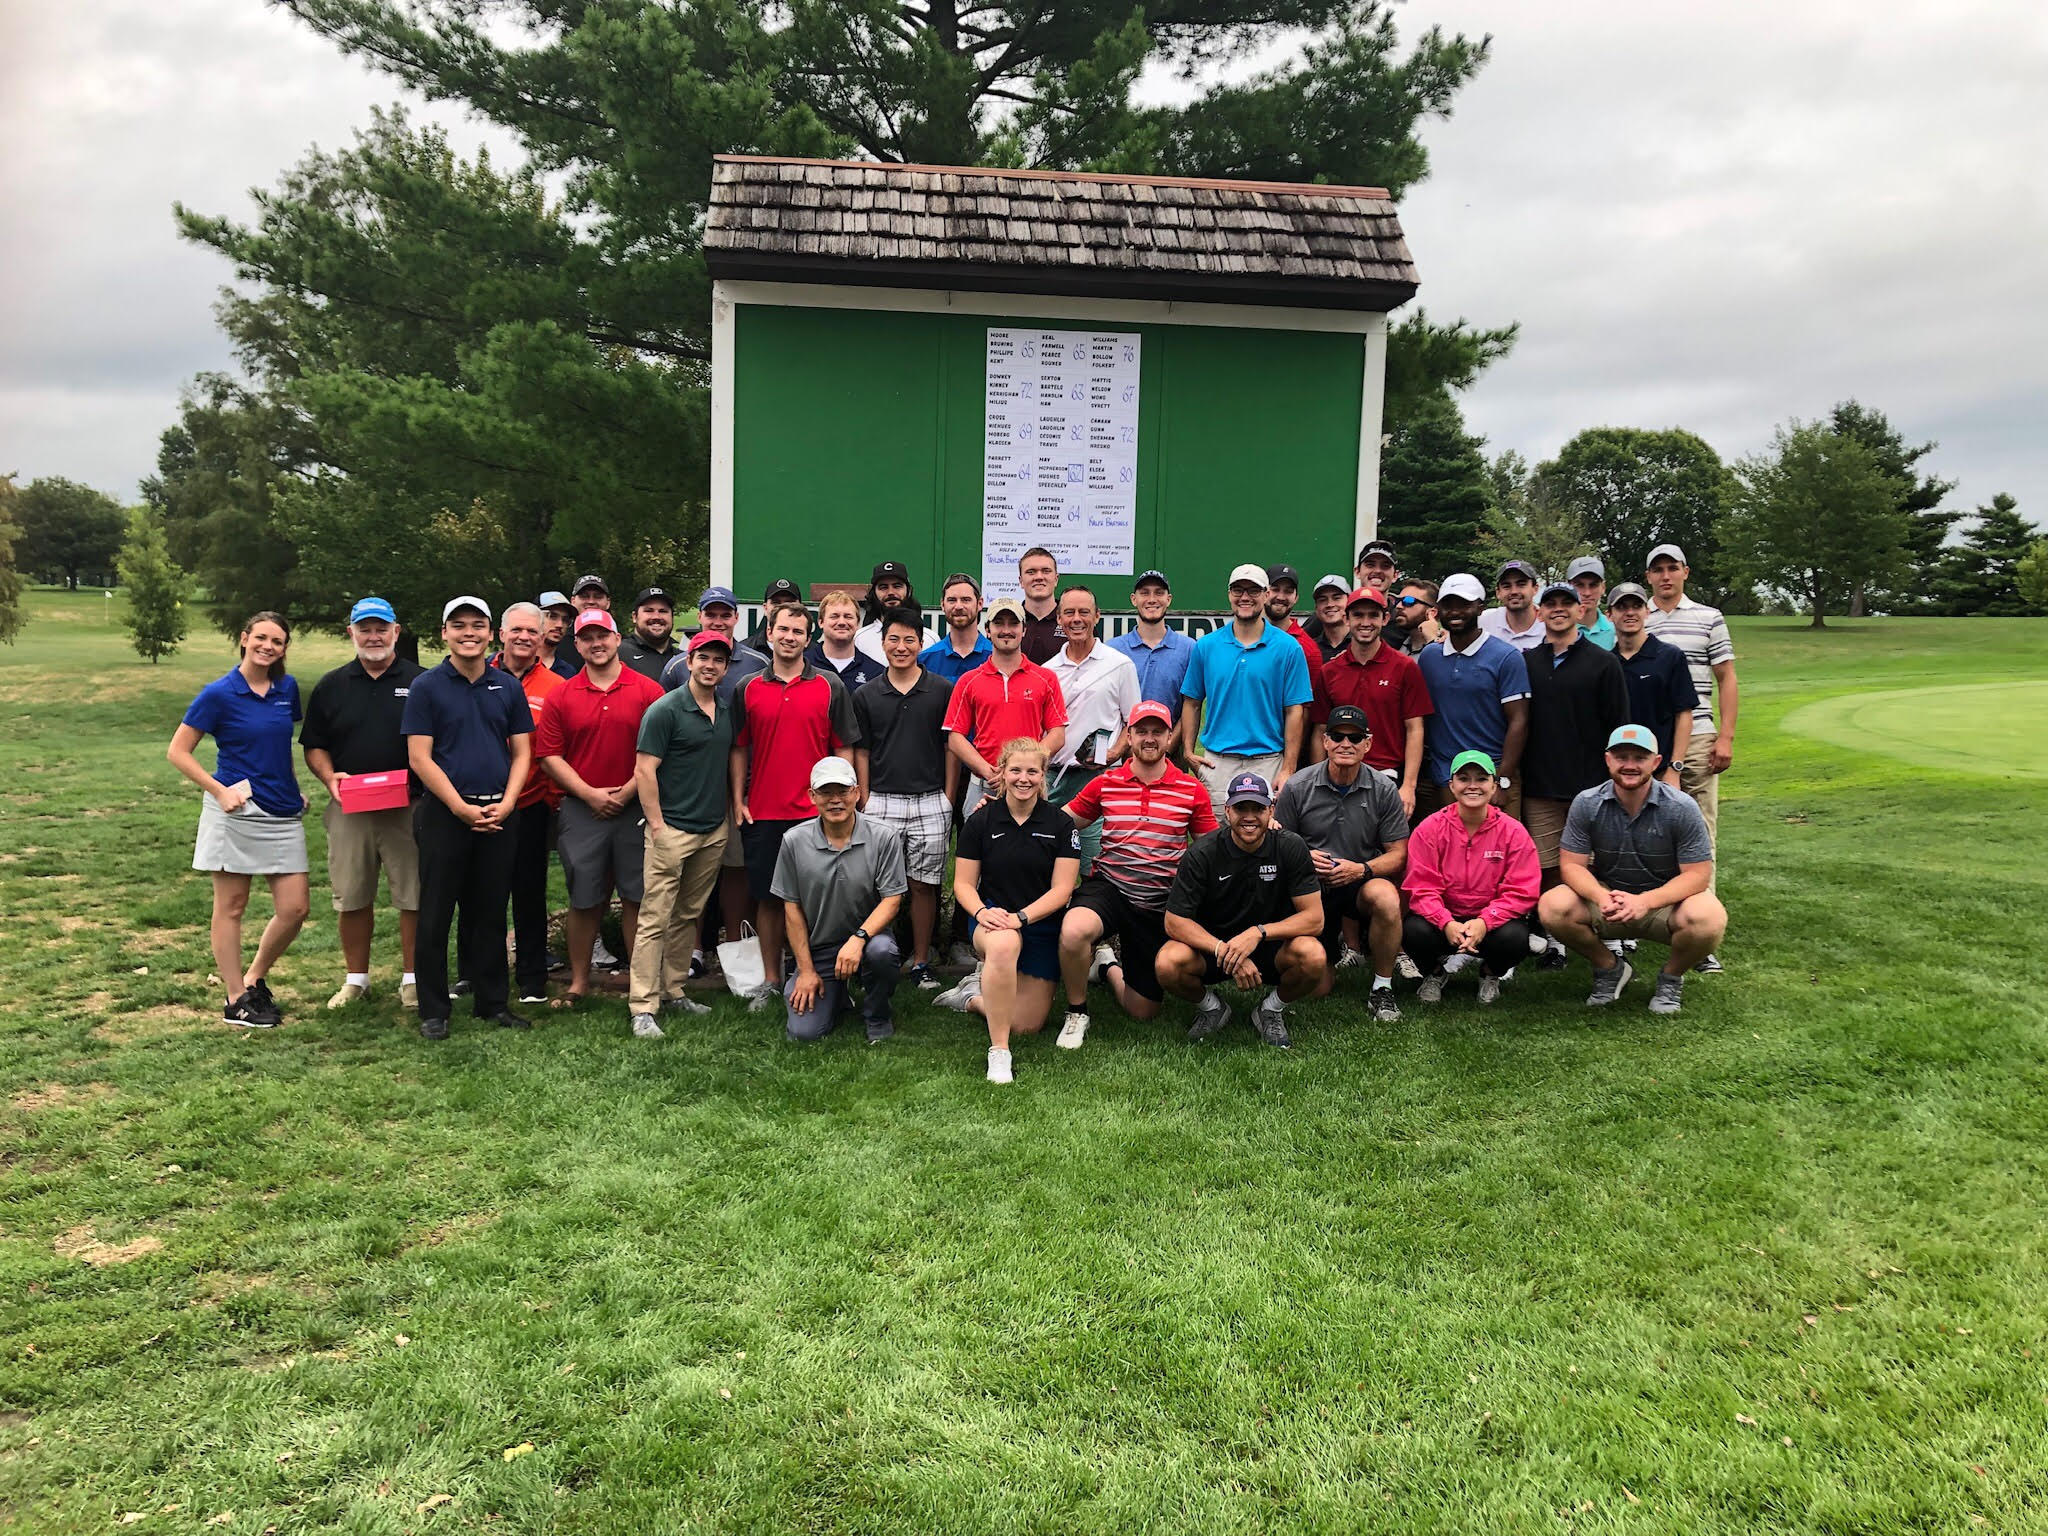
point(857, 436)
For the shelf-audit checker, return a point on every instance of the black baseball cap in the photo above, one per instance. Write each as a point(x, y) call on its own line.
point(1151, 576)
point(894, 568)
point(781, 586)
point(654, 595)
point(1349, 717)
point(585, 583)
point(1376, 547)
point(1275, 574)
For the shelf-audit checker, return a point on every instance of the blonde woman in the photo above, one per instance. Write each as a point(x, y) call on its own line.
point(250, 822)
point(1014, 871)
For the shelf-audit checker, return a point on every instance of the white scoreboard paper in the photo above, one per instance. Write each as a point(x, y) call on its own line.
point(1060, 463)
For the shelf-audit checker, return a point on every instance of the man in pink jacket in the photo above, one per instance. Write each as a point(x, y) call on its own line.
point(1472, 882)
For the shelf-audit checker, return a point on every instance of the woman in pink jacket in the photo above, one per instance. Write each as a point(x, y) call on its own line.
point(1472, 883)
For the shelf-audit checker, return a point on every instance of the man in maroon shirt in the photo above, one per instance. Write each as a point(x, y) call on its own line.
point(1283, 590)
point(1387, 684)
point(586, 742)
point(783, 720)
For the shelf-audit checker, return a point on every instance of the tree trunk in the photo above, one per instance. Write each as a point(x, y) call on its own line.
point(1858, 608)
point(1819, 616)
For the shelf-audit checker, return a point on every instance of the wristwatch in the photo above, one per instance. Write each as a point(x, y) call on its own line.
point(862, 934)
point(1504, 781)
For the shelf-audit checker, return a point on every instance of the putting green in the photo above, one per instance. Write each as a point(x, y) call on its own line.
point(2000, 729)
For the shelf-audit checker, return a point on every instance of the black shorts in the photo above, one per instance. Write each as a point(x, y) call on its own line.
point(761, 844)
point(1339, 902)
point(1141, 931)
point(1266, 957)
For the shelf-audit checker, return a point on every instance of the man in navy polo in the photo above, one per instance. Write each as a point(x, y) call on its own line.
point(1479, 695)
point(469, 743)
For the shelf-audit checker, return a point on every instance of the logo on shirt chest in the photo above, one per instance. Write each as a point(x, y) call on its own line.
point(401, 693)
point(1493, 853)
point(1269, 872)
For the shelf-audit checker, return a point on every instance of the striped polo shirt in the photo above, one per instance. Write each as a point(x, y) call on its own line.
point(1702, 634)
point(1145, 828)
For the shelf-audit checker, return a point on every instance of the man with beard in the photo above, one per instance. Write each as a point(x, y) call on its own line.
point(1479, 694)
point(557, 650)
point(352, 726)
point(652, 645)
point(961, 646)
point(1283, 588)
point(1252, 680)
point(888, 588)
point(1414, 611)
point(1515, 621)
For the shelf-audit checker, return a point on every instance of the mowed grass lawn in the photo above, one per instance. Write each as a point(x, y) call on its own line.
point(1779, 1263)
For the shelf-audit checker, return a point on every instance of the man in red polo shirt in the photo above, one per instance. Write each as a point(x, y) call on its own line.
point(1003, 698)
point(1387, 684)
point(586, 743)
point(1283, 591)
point(783, 721)
point(522, 638)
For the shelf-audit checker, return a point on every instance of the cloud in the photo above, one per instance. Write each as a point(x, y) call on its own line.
point(1714, 215)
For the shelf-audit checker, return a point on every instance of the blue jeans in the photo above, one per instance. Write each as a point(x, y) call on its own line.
point(880, 968)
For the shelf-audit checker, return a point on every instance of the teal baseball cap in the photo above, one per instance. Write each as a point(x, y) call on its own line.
point(1633, 736)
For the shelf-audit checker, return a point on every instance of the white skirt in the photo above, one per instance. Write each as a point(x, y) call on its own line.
point(250, 842)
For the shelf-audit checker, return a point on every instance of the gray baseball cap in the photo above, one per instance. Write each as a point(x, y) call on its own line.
point(1628, 589)
point(1585, 565)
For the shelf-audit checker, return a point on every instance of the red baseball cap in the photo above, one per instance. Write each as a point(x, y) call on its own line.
point(705, 637)
point(596, 618)
point(1369, 595)
point(1150, 710)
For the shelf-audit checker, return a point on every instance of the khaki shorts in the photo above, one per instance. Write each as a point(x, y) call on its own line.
point(1656, 927)
point(1545, 821)
point(358, 845)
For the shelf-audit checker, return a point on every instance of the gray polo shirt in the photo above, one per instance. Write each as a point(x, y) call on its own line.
point(837, 888)
point(1356, 822)
point(1639, 854)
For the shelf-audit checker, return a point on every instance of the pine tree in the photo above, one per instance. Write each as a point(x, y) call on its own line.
point(1434, 492)
point(1927, 523)
point(156, 587)
point(1981, 575)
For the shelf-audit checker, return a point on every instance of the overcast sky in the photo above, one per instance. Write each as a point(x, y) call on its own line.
point(1714, 215)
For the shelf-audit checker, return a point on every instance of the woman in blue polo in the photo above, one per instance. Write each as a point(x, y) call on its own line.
point(1014, 872)
point(249, 823)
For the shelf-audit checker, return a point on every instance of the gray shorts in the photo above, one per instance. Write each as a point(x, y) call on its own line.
point(600, 856)
point(923, 822)
point(250, 842)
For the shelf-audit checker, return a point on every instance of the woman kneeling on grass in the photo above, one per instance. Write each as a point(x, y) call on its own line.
point(250, 823)
point(1014, 871)
point(1472, 881)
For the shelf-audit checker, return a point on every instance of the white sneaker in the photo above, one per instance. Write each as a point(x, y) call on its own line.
point(1073, 1031)
point(999, 1065)
point(1405, 968)
point(351, 992)
point(644, 1027)
point(1489, 989)
point(1105, 957)
point(959, 996)
point(603, 958)
point(409, 995)
point(1457, 962)
point(1538, 942)
point(962, 954)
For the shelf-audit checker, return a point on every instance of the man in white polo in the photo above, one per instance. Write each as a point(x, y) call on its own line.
point(1100, 687)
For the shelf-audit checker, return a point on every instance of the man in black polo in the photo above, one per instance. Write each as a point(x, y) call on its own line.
point(1577, 696)
point(1661, 694)
point(652, 645)
point(469, 743)
point(352, 726)
point(1356, 829)
point(589, 592)
point(1245, 907)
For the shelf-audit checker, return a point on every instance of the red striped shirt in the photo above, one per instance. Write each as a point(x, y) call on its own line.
point(1145, 828)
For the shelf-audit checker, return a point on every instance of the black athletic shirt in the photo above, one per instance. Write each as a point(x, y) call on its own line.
point(1228, 890)
point(1017, 859)
point(904, 734)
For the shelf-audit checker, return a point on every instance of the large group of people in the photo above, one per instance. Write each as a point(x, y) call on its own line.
point(1410, 781)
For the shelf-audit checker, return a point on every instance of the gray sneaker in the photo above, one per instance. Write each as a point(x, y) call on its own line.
point(763, 998)
point(959, 996)
point(1405, 968)
point(1670, 994)
point(1432, 988)
point(1211, 1014)
point(644, 1027)
point(1489, 988)
point(1379, 1002)
point(682, 1002)
point(1271, 1023)
point(1607, 984)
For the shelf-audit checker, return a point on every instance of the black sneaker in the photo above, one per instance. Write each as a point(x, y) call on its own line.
point(461, 987)
point(259, 994)
point(1379, 1002)
point(877, 1033)
point(434, 1029)
point(1555, 957)
point(510, 1020)
point(245, 1011)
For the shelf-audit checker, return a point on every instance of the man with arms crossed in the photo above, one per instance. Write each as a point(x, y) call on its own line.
point(468, 742)
point(1039, 575)
point(784, 721)
point(907, 778)
point(1637, 864)
point(1147, 810)
point(352, 726)
point(1245, 907)
point(840, 880)
point(1660, 690)
point(586, 744)
point(961, 647)
point(1253, 680)
point(1702, 634)
point(1159, 651)
point(680, 771)
point(1479, 692)
point(1357, 834)
point(1370, 675)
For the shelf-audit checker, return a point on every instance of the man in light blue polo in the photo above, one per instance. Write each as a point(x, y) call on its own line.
point(1252, 681)
point(1159, 651)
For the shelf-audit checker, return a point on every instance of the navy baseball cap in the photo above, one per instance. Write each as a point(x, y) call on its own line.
point(1144, 577)
point(1249, 788)
point(1563, 589)
point(372, 608)
point(718, 595)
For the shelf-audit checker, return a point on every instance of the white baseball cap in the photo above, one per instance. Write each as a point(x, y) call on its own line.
point(833, 770)
point(1255, 574)
point(1462, 585)
point(1331, 583)
point(455, 605)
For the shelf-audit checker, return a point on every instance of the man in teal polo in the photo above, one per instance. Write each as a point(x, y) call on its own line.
point(1250, 680)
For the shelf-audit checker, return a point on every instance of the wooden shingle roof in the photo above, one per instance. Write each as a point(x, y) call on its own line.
point(1056, 232)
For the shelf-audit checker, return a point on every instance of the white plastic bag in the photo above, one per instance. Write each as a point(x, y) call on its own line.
point(740, 960)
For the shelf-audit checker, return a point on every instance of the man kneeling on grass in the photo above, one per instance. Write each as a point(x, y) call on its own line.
point(1246, 907)
point(840, 880)
point(1636, 859)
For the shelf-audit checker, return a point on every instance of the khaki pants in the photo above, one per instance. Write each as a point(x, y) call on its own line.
point(680, 873)
point(1225, 766)
point(1545, 820)
point(1697, 778)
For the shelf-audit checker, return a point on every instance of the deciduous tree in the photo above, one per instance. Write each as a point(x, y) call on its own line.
point(1632, 489)
point(1524, 521)
point(68, 530)
point(1819, 516)
point(1920, 496)
point(10, 573)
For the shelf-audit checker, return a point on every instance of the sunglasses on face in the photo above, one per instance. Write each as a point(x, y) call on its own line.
point(1409, 601)
point(1347, 736)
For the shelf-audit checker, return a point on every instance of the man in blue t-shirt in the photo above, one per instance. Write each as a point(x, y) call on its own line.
point(1252, 680)
point(1160, 652)
point(1479, 687)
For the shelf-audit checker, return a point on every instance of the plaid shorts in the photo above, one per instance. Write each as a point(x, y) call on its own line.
point(923, 821)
